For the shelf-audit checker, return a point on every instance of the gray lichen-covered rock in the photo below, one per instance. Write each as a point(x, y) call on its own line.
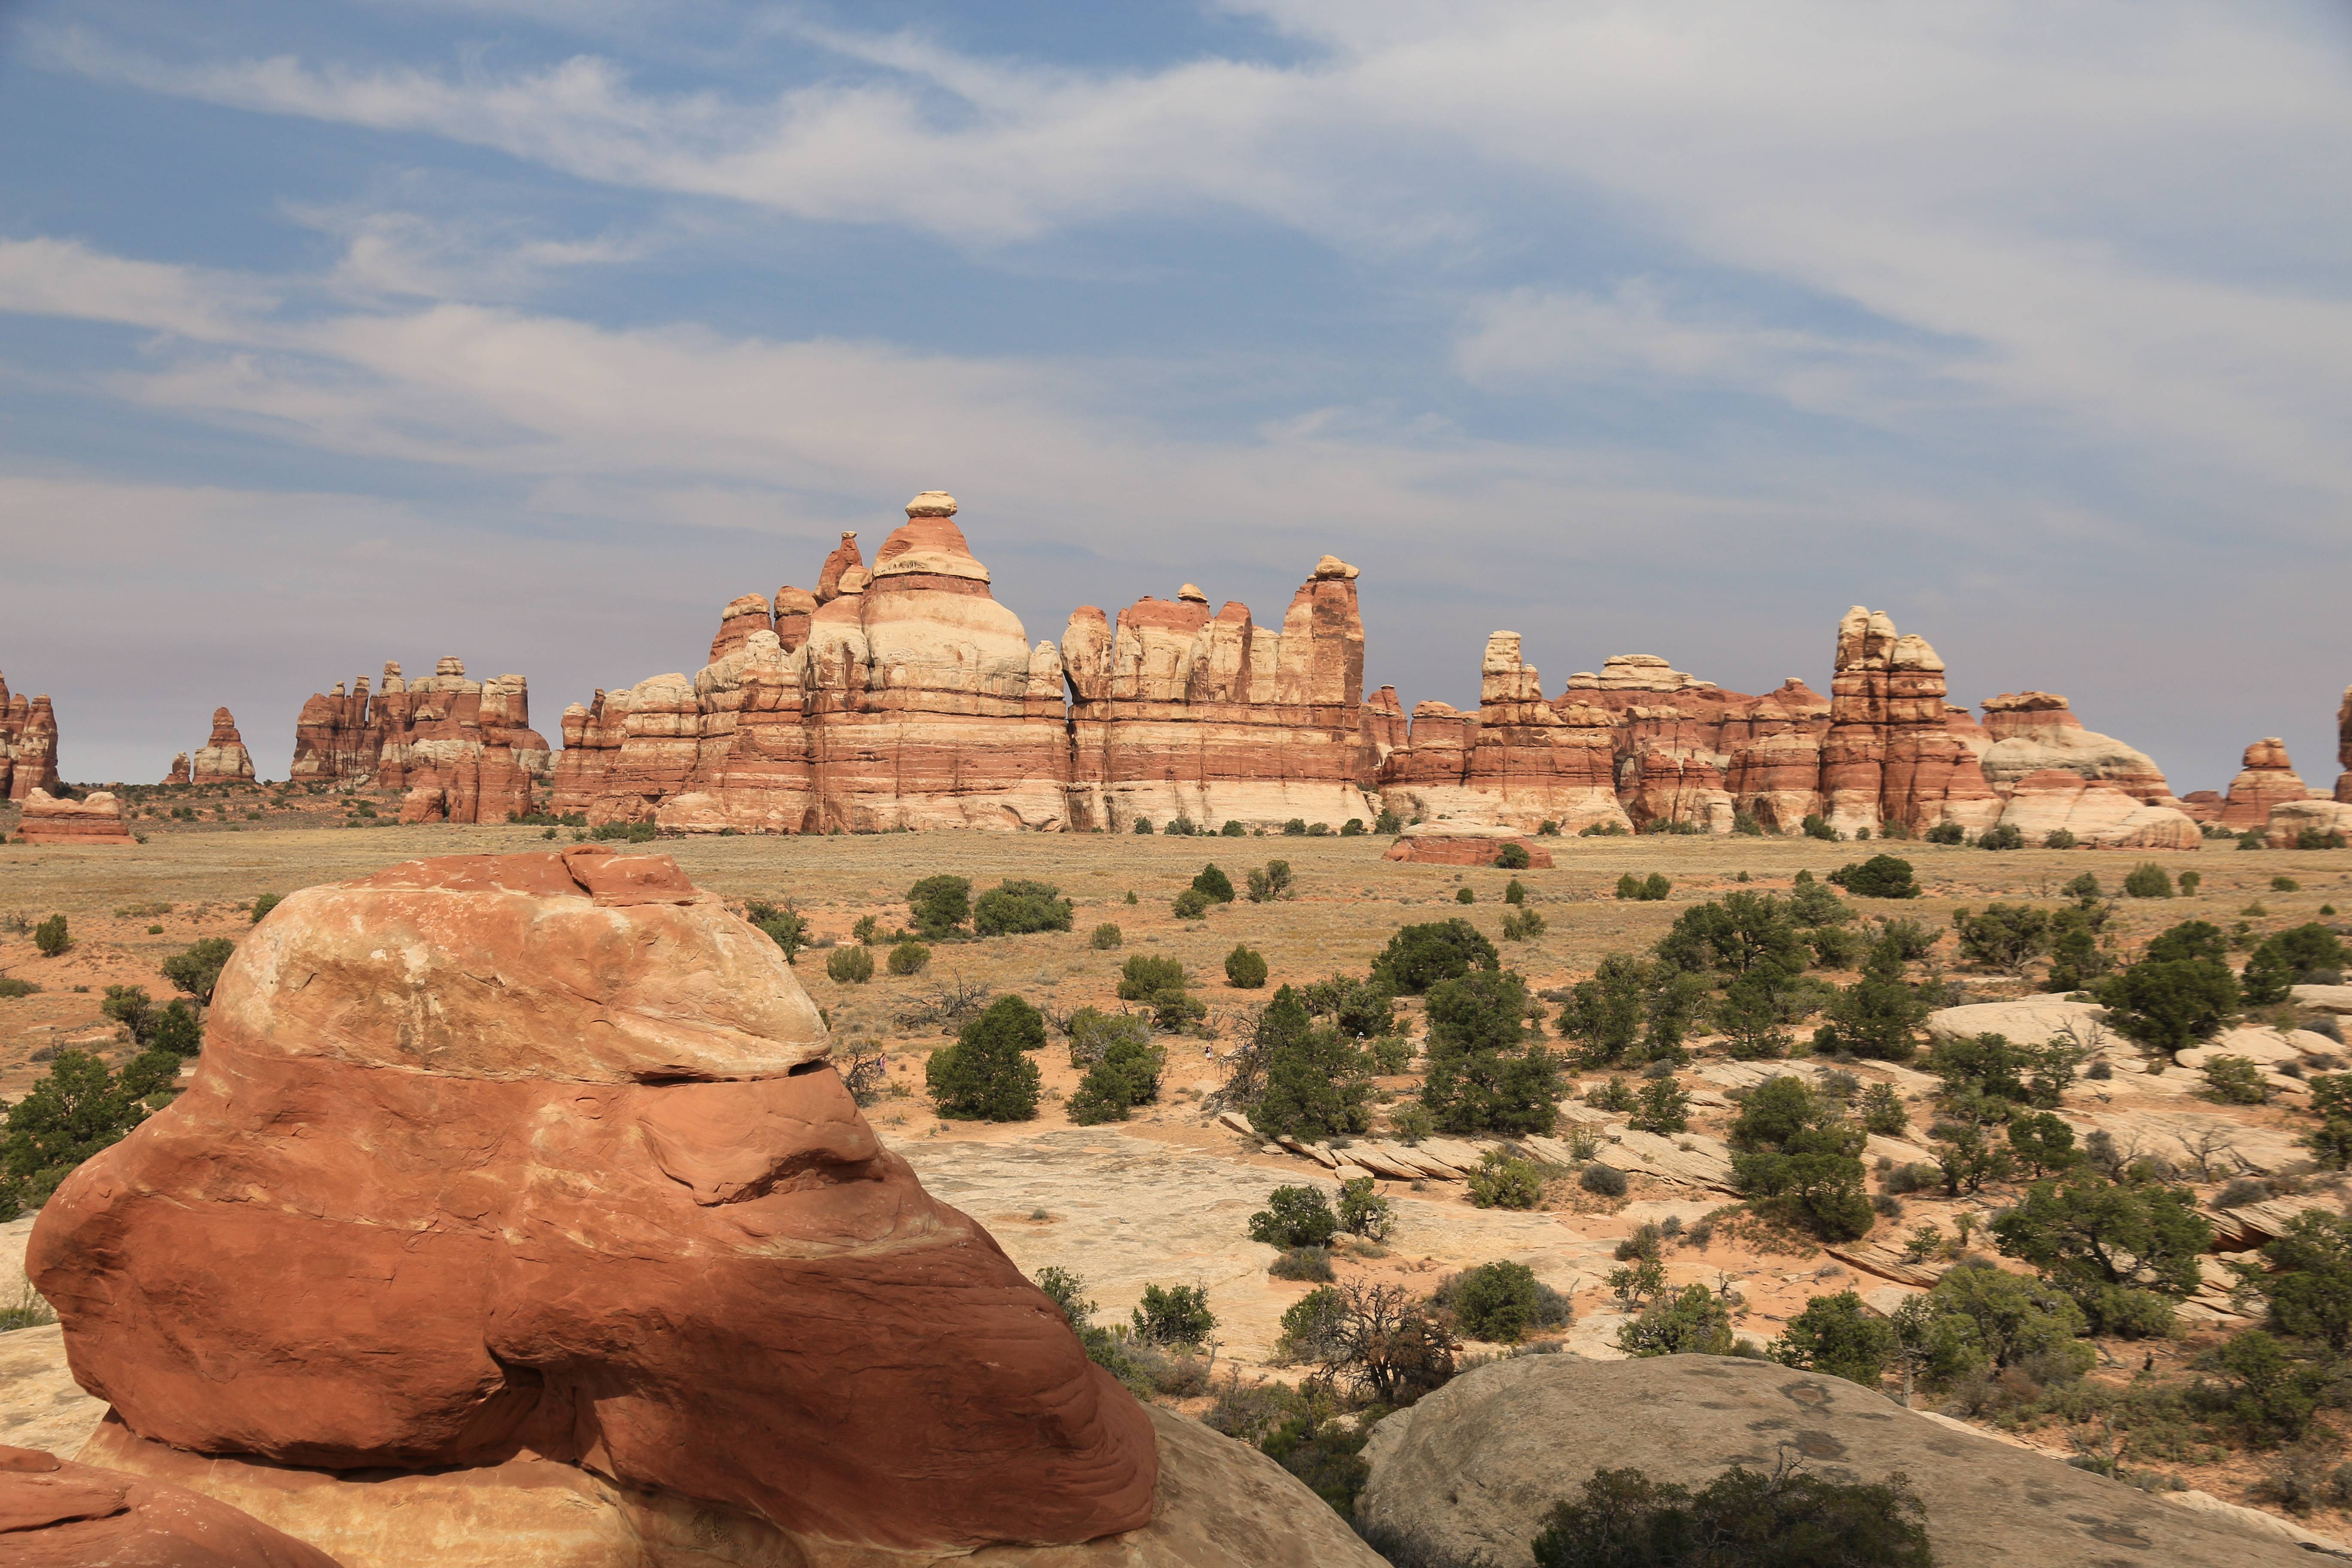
point(1467, 1474)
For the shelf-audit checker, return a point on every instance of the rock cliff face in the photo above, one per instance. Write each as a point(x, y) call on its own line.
point(1175, 713)
point(2344, 748)
point(902, 696)
point(463, 750)
point(28, 745)
point(642, 1286)
point(2032, 732)
point(2266, 779)
point(95, 819)
point(223, 759)
point(1891, 754)
point(2096, 812)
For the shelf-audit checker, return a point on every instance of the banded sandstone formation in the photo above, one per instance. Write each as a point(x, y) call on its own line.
point(2265, 780)
point(463, 749)
point(95, 819)
point(28, 745)
point(1891, 753)
point(643, 1288)
point(179, 774)
point(1175, 713)
point(223, 759)
point(2034, 731)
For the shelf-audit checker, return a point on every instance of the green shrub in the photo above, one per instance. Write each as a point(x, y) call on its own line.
point(52, 937)
point(1191, 904)
point(849, 965)
point(1464, 896)
point(1523, 925)
point(1693, 1320)
point(1607, 1181)
point(1502, 1303)
point(2059, 839)
point(1173, 1315)
point(1182, 828)
point(2004, 835)
point(1125, 1074)
point(2110, 1243)
point(1880, 876)
point(2270, 1395)
point(1418, 956)
point(2043, 1143)
point(2004, 937)
point(1980, 1317)
point(2236, 1080)
point(1244, 969)
point(1314, 1081)
point(910, 958)
point(2147, 880)
point(1233, 829)
point(940, 905)
point(1388, 822)
point(1514, 891)
point(1514, 856)
point(129, 1006)
point(1295, 1217)
point(1214, 883)
point(77, 1109)
point(1834, 1336)
point(1882, 1113)
point(1107, 936)
point(2286, 885)
point(1143, 825)
point(2189, 882)
point(1664, 1108)
point(1363, 1212)
point(1270, 883)
point(178, 1030)
point(1295, 828)
point(1796, 1158)
point(1817, 827)
point(866, 929)
point(987, 1075)
point(2169, 1004)
point(1018, 907)
point(198, 970)
point(264, 904)
point(1359, 1009)
point(11, 987)
point(1501, 1182)
point(1486, 1072)
point(1787, 1518)
point(1945, 833)
point(1159, 983)
point(1309, 1264)
point(2307, 1282)
point(780, 923)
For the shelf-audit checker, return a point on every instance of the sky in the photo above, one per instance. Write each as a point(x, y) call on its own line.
point(534, 331)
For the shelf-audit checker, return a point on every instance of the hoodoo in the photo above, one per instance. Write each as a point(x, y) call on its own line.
point(462, 748)
point(28, 745)
point(223, 759)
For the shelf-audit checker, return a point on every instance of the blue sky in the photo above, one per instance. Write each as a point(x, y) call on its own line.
point(533, 330)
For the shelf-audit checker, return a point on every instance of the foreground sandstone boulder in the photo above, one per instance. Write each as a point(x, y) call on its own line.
point(530, 1172)
point(53, 1514)
point(97, 819)
point(1467, 1474)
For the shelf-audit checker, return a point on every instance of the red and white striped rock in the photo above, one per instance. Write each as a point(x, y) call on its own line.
point(96, 819)
point(2100, 814)
point(2266, 780)
point(463, 749)
point(1890, 754)
point(223, 758)
point(28, 745)
point(2036, 731)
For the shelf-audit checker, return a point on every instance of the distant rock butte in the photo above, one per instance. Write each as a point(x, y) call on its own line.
point(223, 759)
point(28, 745)
point(463, 749)
point(898, 694)
point(643, 1288)
point(2267, 779)
point(96, 819)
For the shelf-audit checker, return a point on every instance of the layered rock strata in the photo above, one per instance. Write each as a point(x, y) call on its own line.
point(2037, 731)
point(1891, 754)
point(2100, 814)
point(223, 759)
point(96, 819)
point(55, 1513)
point(1176, 712)
point(537, 1159)
point(2266, 779)
point(462, 748)
point(179, 774)
point(28, 745)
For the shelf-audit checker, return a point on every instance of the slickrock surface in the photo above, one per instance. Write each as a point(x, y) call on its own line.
point(2289, 819)
point(58, 1514)
point(463, 749)
point(600, 1219)
point(2267, 779)
point(1469, 1472)
point(2101, 814)
point(28, 745)
point(223, 759)
point(95, 819)
point(2035, 731)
